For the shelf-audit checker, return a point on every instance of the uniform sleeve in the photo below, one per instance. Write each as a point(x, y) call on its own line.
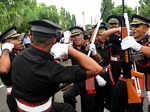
point(68, 73)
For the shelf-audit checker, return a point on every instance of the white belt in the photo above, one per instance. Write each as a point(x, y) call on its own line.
point(114, 58)
point(39, 108)
point(9, 90)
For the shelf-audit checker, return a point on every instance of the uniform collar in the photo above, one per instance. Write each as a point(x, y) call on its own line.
point(41, 53)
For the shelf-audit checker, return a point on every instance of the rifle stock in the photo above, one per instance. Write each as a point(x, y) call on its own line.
point(132, 94)
point(137, 74)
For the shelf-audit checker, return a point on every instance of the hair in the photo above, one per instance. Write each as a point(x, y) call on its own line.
point(42, 38)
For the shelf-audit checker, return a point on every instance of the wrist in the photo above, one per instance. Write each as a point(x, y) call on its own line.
point(138, 47)
point(70, 50)
point(119, 29)
point(94, 53)
point(7, 46)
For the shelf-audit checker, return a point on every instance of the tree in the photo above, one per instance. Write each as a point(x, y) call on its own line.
point(144, 8)
point(118, 11)
point(108, 5)
point(20, 12)
point(73, 22)
point(66, 20)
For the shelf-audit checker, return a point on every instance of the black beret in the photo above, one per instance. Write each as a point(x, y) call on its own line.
point(44, 26)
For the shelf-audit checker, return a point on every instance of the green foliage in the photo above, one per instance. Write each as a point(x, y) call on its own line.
point(66, 20)
point(118, 11)
point(20, 12)
point(108, 6)
point(111, 10)
point(144, 9)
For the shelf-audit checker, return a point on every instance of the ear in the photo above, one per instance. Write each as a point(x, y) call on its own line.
point(53, 41)
point(31, 38)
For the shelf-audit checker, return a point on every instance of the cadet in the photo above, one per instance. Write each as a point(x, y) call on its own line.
point(103, 94)
point(11, 46)
point(87, 101)
point(36, 78)
point(113, 38)
point(140, 42)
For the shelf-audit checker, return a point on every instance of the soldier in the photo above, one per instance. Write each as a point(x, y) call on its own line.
point(36, 78)
point(113, 38)
point(11, 46)
point(103, 94)
point(140, 42)
point(26, 40)
point(87, 101)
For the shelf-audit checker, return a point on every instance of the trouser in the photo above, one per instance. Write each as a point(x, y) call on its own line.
point(119, 99)
point(70, 94)
point(116, 70)
point(103, 95)
point(99, 98)
point(87, 100)
point(135, 107)
point(62, 107)
point(11, 102)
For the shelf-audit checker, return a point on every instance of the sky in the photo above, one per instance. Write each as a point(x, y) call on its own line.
point(91, 8)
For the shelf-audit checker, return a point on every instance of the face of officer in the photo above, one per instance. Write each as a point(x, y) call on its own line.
point(113, 25)
point(99, 39)
point(139, 30)
point(78, 39)
point(17, 43)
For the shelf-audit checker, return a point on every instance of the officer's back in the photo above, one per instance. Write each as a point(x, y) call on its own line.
point(36, 77)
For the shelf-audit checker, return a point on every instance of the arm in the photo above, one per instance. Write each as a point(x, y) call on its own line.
point(97, 57)
point(130, 42)
point(91, 66)
point(107, 33)
point(145, 50)
point(86, 62)
point(5, 62)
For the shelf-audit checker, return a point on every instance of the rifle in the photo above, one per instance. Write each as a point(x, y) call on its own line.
point(127, 64)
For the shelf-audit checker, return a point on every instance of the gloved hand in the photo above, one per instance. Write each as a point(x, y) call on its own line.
point(101, 82)
point(130, 42)
point(58, 50)
point(148, 97)
point(92, 48)
point(8, 46)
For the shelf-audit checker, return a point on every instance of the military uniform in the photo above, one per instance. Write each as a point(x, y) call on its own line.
point(142, 62)
point(36, 78)
point(87, 101)
point(118, 103)
point(6, 78)
point(102, 97)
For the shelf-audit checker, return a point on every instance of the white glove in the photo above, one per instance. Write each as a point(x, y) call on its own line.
point(58, 50)
point(130, 42)
point(101, 82)
point(8, 46)
point(92, 48)
point(67, 35)
point(148, 97)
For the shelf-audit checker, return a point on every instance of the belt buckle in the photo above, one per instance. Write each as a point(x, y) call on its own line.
point(114, 58)
point(105, 70)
